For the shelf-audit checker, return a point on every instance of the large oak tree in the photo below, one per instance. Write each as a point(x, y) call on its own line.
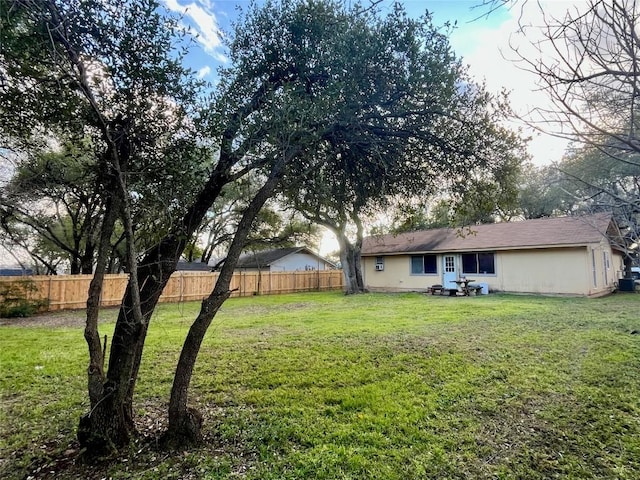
point(406, 121)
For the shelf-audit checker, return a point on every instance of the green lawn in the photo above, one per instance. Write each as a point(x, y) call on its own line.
point(361, 387)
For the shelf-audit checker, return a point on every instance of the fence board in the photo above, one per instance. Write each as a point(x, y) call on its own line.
point(70, 291)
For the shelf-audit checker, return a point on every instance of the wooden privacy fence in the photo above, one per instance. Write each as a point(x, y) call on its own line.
point(70, 291)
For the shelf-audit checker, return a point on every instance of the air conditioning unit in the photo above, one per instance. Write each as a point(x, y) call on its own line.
point(379, 267)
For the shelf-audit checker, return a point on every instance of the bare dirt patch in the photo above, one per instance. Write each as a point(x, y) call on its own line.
point(62, 319)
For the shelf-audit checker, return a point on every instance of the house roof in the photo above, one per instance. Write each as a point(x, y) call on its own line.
point(13, 272)
point(267, 257)
point(185, 266)
point(539, 233)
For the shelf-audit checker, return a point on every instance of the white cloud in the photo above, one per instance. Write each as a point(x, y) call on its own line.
point(204, 71)
point(202, 19)
point(489, 56)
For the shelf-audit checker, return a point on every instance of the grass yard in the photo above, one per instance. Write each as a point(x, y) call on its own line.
point(324, 386)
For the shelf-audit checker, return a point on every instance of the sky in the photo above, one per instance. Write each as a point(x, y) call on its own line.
point(481, 38)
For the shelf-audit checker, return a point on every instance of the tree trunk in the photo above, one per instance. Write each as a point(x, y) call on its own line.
point(185, 424)
point(110, 423)
point(87, 259)
point(628, 263)
point(350, 259)
point(112, 417)
point(351, 264)
point(206, 253)
point(74, 266)
point(98, 430)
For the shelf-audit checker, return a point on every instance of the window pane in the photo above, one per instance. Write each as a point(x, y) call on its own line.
point(430, 264)
point(469, 263)
point(486, 263)
point(449, 264)
point(416, 264)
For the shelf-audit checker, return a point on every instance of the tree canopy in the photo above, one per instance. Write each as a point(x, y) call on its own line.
point(404, 119)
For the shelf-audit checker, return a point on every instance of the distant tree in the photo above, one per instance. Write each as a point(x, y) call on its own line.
point(482, 200)
point(406, 215)
point(273, 227)
point(18, 244)
point(543, 192)
point(594, 183)
point(52, 198)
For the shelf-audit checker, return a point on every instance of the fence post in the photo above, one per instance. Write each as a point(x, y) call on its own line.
point(49, 293)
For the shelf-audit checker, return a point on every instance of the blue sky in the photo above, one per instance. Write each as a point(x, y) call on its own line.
point(481, 40)
point(211, 18)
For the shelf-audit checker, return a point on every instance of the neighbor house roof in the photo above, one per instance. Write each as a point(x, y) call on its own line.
point(196, 266)
point(539, 233)
point(267, 257)
point(12, 272)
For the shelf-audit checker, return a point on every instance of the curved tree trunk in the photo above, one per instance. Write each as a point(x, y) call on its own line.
point(96, 430)
point(110, 423)
point(185, 424)
point(153, 274)
point(113, 423)
point(95, 371)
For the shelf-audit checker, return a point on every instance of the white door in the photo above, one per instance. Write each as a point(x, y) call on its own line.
point(449, 275)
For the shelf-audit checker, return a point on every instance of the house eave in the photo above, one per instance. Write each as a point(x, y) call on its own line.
point(492, 249)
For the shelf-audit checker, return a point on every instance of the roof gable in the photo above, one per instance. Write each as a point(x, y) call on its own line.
point(267, 257)
point(538, 233)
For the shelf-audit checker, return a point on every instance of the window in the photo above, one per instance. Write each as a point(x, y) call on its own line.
point(449, 264)
point(479, 263)
point(485, 263)
point(607, 265)
point(379, 264)
point(421, 264)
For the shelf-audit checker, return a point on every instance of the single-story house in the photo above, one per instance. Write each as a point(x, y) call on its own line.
point(565, 255)
point(283, 260)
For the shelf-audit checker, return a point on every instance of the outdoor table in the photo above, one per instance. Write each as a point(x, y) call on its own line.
point(463, 285)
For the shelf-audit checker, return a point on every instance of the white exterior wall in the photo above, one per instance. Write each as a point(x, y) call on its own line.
point(299, 262)
point(618, 264)
point(396, 275)
point(559, 271)
point(568, 271)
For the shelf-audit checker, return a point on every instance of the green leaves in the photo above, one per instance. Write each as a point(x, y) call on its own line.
point(82, 81)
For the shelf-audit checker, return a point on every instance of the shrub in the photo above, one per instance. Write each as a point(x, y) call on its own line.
point(15, 299)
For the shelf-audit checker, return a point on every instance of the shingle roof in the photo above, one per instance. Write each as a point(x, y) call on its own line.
point(267, 257)
point(264, 258)
point(197, 266)
point(539, 233)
